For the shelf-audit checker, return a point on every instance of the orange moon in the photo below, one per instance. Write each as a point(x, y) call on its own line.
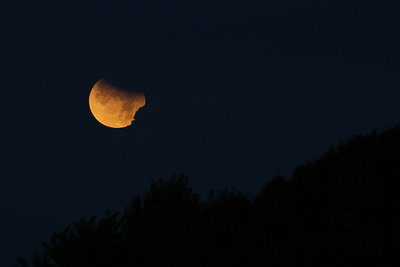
point(113, 106)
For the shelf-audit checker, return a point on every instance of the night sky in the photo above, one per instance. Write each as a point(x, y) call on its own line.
point(237, 92)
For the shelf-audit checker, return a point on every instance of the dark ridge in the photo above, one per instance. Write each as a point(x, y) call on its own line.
point(343, 209)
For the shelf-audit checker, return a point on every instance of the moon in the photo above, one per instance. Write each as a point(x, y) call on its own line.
point(112, 106)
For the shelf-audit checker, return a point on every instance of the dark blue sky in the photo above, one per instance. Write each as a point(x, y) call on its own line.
point(237, 92)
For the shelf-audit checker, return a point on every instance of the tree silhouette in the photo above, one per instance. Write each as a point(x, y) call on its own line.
point(341, 209)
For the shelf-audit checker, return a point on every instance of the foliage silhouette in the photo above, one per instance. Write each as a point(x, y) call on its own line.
point(341, 209)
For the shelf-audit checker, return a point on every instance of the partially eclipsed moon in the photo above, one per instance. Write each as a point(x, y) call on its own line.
point(112, 106)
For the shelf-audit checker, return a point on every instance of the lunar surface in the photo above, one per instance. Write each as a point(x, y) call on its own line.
point(112, 106)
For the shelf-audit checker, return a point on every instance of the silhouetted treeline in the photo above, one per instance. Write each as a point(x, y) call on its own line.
point(342, 209)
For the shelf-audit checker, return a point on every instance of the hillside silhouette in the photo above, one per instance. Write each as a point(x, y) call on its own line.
point(342, 209)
